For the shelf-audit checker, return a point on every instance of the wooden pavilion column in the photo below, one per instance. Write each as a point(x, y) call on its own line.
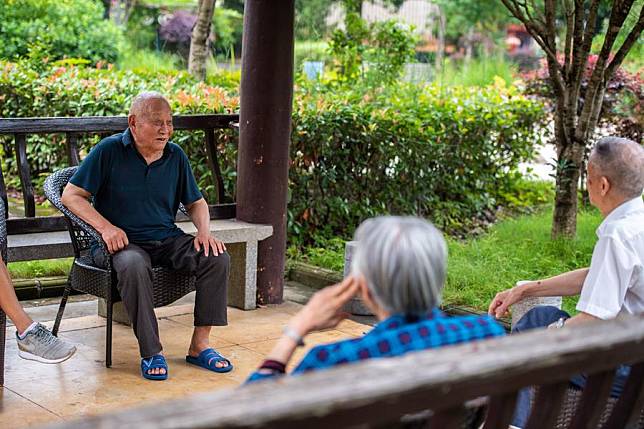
point(265, 133)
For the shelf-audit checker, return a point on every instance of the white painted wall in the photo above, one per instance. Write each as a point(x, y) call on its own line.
point(418, 13)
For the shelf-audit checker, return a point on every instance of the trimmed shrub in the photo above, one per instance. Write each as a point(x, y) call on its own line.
point(59, 29)
point(444, 153)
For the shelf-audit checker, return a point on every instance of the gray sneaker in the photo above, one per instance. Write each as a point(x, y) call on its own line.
point(41, 345)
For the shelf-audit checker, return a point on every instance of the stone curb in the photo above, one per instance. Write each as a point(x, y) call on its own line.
point(312, 276)
point(44, 287)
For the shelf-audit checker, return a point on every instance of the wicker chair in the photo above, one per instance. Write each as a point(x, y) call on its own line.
point(85, 277)
point(572, 399)
point(3, 316)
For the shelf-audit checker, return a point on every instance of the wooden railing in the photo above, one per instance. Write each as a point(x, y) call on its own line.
point(378, 392)
point(73, 128)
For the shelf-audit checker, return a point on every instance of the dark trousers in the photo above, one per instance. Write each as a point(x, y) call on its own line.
point(541, 317)
point(133, 267)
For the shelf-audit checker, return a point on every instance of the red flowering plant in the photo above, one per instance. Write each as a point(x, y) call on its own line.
point(622, 111)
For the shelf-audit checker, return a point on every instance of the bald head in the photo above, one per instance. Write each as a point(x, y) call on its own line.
point(622, 162)
point(146, 102)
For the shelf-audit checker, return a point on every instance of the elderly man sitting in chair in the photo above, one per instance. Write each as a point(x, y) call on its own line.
point(137, 179)
point(614, 283)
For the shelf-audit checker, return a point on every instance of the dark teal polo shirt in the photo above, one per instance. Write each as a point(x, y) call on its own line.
point(140, 199)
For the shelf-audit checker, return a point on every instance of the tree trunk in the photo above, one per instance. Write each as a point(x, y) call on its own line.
point(570, 157)
point(469, 45)
point(129, 8)
point(572, 135)
point(564, 222)
point(107, 4)
point(199, 41)
point(440, 47)
point(353, 6)
point(119, 11)
point(573, 129)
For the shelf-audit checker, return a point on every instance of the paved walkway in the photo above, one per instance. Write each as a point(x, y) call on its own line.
point(37, 393)
point(542, 167)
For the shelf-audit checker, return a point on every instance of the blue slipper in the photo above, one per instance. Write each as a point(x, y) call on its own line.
point(156, 361)
point(208, 359)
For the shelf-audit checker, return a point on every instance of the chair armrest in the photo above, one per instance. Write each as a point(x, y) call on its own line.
point(183, 209)
point(53, 187)
point(3, 232)
point(92, 232)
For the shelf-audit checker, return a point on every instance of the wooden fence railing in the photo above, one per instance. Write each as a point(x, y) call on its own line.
point(377, 393)
point(20, 128)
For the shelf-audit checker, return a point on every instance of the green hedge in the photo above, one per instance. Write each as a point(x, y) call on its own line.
point(58, 29)
point(448, 154)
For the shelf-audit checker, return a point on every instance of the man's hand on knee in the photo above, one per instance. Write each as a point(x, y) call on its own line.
point(207, 241)
point(115, 238)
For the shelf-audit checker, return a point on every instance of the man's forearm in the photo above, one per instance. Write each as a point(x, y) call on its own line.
point(566, 284)
point(83, 209)
point(581, 319)
point(200, 215)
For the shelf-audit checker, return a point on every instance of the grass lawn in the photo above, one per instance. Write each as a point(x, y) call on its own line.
point(513, 249)
point(43, 268)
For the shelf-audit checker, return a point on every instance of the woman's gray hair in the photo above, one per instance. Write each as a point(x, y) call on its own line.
point(404, 262)
point(622, 162)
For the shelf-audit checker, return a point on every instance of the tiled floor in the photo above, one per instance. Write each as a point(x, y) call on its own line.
point(36, 393)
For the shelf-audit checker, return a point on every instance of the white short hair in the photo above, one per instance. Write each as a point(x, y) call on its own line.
point(141, 103)
point(622, 162)
point(404, 262)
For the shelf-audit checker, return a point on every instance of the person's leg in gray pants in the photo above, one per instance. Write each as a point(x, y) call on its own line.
point(178, 253)
point(133, 267)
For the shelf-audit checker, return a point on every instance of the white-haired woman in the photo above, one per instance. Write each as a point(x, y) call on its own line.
point(398, 271)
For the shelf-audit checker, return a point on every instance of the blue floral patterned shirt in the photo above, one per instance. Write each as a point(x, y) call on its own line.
point(394, 336)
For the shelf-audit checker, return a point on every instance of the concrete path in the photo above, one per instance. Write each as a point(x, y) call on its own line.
point(36, 393)
point(542, 166)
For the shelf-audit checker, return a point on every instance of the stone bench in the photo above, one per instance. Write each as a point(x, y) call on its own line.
point(241, 240)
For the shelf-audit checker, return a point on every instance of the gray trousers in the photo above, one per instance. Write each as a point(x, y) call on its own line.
point(133, 266)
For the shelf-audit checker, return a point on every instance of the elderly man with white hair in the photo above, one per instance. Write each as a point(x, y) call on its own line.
point(137, 179)
point(613, 285)
point(399, 270)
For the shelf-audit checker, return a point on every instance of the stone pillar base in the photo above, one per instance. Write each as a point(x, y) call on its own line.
point(119, 314)
point(242, 283)
point(355, 305)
